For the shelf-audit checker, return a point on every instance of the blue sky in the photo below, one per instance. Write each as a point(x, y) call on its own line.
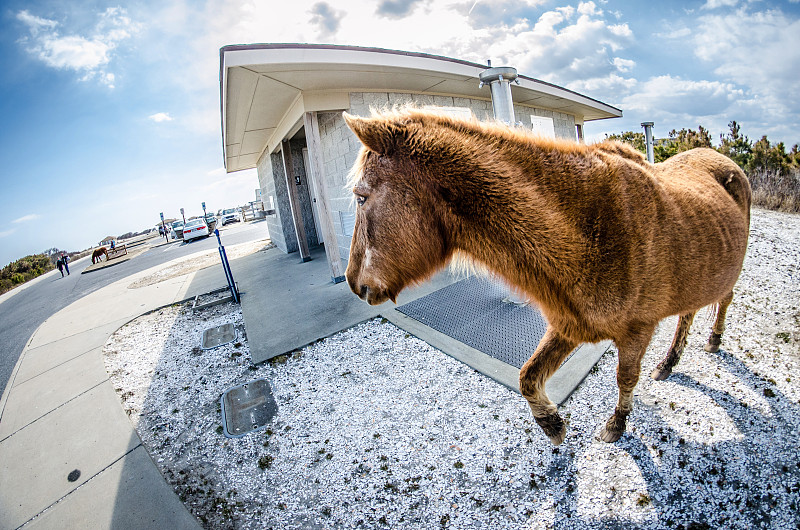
point(111, 110)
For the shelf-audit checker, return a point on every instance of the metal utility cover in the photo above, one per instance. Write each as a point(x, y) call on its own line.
point(217, 336)
point(247, 408)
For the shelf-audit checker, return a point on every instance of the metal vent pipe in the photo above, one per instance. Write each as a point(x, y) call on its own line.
point(499, 80)
point(648, 140)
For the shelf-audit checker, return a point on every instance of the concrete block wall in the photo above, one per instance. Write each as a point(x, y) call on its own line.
point(340, 149)
point(361, 102)
point(564, 124)
point(269, 188)
point(284, 236)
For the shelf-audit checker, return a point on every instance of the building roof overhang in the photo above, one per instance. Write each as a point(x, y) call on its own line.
point(265, 88)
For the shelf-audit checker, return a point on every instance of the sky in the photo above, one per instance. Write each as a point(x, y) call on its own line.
point(111, 110)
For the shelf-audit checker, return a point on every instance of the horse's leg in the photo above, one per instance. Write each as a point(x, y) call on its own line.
point(549, 355)
point(719, 325)
point(665, 367)
point(631, 351)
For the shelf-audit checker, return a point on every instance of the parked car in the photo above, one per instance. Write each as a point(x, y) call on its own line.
point(195, 228)
point(230, 215)
point(177, 230)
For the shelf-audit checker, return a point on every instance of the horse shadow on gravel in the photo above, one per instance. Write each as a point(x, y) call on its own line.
point(750, 480)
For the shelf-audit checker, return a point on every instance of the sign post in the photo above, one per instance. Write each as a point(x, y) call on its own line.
point(184, 216)
point(226, 267)
point(204, 210)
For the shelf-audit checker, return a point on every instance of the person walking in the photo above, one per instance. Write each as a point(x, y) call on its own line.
point(60, 265)
point(65, 260)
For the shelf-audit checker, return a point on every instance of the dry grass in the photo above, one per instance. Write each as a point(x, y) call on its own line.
point(775, 191)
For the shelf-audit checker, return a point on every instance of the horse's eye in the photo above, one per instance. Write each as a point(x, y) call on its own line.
point(360, 200)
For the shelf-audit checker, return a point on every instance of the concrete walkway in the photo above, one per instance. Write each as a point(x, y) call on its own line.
point(287, 304)
point(69, 456)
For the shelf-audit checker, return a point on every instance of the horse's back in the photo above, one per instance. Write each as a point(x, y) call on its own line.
point(703, 163)
point(709, 204)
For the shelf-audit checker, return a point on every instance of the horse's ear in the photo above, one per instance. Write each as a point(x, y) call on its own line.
point(374, 134)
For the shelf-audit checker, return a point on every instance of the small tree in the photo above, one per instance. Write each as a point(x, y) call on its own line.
point(636, 139)
point(679, 141)
point(769, 158)
point(794, 157)
point(736, 146)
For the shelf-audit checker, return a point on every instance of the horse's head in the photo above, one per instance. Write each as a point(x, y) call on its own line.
point(399, 236)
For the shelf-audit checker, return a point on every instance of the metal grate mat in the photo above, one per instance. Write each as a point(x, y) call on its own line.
point(472, 312)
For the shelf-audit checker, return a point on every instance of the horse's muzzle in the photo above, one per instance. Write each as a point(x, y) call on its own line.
point(370, 295)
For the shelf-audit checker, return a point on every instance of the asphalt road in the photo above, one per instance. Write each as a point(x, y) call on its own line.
point(24, 312)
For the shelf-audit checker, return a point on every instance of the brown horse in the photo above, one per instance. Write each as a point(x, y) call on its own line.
point(98, 253)
point(606, 243)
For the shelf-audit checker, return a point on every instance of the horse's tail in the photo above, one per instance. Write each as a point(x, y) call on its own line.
point(733, 179)
point(737, 185)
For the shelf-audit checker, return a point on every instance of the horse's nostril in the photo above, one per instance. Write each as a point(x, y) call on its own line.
point(364, 290)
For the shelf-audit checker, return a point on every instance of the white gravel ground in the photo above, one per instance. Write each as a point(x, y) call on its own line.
point(376, 429)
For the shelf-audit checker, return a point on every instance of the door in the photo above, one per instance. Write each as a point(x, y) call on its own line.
point(312, 190)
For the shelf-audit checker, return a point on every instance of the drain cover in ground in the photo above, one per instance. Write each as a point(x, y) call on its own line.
point(218, 335)
point(247, 408)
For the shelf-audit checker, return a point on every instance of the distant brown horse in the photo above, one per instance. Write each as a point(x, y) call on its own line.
point(606, 243)
point(99, 252)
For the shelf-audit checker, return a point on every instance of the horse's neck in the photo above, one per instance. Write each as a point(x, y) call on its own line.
point(518, 224)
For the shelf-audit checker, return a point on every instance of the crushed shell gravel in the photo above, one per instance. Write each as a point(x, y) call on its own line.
point(377, 429)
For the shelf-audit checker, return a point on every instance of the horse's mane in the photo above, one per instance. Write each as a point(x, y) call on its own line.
point(430, 119)
point(493, 130)
point(614, 147)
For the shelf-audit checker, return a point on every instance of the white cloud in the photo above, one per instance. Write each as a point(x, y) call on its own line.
point(609, 85)
point(6, 233)
point(34, 23)
point(159, 117)
point(623, 65)
point(579, 48)
point(495, 12)
point(714, 4)
point(26, 218)
point(672, 96)
point(759, 51)
point(88, 55)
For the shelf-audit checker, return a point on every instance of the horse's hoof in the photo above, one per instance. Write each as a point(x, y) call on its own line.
point(553, 427)
point(614, 427)
point(659, 374)
point(610, 436)
point(713, 343)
